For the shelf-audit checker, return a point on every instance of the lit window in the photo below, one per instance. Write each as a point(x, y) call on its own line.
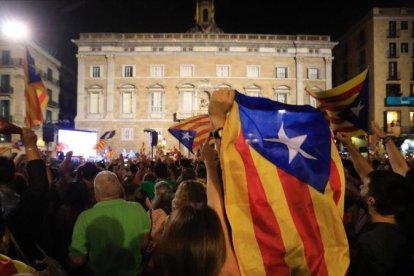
point(157, 71)
point(281, 72)
point(156, 101)
point(128, 71)
point(313, 73)
point(253, 71)
point(96, 71)
point(282, 94)
point(393, 122)
point(223, 70)
point(126, 102)
point(127, 134)
point(94, 102)
point(252, 91)
point(187, 70)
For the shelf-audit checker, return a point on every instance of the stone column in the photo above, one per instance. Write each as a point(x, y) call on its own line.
point(299, 80)
point(328, 72)
point(110, 86)
point(82, 99)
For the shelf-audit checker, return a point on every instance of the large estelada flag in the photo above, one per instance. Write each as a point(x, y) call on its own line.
point(346, 105)
point(36, 96)
point(284, 189)
point(192, 132)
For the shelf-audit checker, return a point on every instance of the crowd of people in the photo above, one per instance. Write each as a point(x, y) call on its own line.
point(166, 216)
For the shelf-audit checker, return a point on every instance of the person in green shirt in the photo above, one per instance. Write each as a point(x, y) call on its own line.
point(110, 236)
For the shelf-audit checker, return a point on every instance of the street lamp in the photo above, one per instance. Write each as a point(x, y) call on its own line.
point(15, 30)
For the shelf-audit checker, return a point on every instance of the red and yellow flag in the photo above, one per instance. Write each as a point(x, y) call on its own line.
point(284, 190)
point(36, 97)
point(100, 144)
point(346, 105)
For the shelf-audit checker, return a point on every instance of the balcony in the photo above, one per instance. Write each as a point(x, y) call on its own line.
point(392, 54)
point(11, 62)
point(53, 104)
point(6, 90)
point(46, 77)
point(394, 77)
point(392, 33)
point(399, 101)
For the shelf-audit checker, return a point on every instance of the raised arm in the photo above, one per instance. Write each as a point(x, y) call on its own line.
point(397, 160)
point(220, 105)
point(215, 201)
point(362, 166)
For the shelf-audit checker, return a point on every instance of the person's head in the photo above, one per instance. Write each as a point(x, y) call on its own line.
point(386, 192)
point(187, 174)
point(161, 170)
point(193, 240)
point(7, 170)
point(189, 193)
point(107, 186)
point(201, 171)
point(89, 170)
point(163, 197)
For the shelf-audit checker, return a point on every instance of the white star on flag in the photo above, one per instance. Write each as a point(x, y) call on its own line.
point(187, 136)
point(293, 144)
point(357, 109)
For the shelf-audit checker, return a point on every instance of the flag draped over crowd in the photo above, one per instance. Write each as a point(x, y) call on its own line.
point(284, 189)
point(346, 105)
point(36, 96)
point(192, 132)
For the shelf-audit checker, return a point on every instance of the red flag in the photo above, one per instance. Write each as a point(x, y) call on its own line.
point(35, 93)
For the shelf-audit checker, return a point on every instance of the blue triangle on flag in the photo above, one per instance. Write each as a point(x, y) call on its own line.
point(357, 112)
point(186, 137)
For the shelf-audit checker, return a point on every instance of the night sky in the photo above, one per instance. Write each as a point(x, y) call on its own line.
point(54, 23)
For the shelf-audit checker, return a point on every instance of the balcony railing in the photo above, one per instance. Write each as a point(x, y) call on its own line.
point(393, 33)
point(11, 62)
point(53, 104)
point(46, 77)
point(6, 90)
point(394, 76)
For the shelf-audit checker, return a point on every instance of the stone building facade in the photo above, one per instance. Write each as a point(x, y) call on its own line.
point(131, 81)
point(12, 83)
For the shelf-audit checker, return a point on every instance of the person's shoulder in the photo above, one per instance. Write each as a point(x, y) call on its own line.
point(134, 206)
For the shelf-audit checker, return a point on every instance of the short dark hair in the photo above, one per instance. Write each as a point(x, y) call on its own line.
point(193, 240)
point(89, 171)
point(161, 170)
point(7, 170)
point(390, 191)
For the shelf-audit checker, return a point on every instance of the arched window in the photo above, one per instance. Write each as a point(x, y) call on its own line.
point(253, 90)
point(95, 101)
point(282, 94)
point(156, 101)
point(127, 94)
point(223, 86)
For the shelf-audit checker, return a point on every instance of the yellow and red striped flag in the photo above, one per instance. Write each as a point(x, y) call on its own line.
point(36, 96)
point(283, 189)
point(346, 105)
point(100, 144)
point(192, 132)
